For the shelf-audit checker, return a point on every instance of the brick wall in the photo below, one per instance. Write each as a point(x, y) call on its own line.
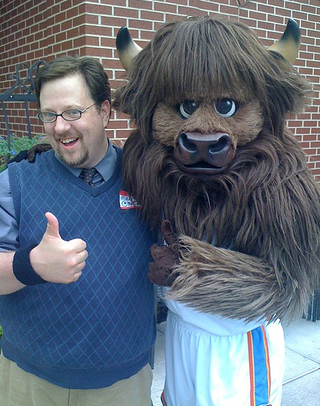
point(39, 29)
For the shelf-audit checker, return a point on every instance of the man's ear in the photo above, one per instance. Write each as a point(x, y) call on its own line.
point(105, 109)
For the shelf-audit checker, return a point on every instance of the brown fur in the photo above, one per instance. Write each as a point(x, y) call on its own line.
point(249, 236)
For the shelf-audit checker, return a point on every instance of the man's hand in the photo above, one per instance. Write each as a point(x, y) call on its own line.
point(165, 257)
point(56, 260)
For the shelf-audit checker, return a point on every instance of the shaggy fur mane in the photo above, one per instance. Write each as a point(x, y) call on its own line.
point(266, 206)
point(201, 57)
point(262, 214)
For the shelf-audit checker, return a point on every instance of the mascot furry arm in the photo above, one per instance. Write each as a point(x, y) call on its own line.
point(211, 154)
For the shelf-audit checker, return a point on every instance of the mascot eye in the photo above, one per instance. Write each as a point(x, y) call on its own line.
point(225, 107)
point(188, 107)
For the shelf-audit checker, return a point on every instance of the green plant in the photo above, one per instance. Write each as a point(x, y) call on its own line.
point(17, 144)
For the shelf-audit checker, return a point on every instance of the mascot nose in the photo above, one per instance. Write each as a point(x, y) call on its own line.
point(198, 152)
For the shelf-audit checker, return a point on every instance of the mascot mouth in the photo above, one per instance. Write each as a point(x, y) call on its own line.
point(204, 154)
point(201, 168)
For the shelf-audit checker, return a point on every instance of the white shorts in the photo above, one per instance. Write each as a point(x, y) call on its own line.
point(205, 369)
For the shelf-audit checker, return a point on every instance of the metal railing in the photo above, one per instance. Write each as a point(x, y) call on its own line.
point(21, 91)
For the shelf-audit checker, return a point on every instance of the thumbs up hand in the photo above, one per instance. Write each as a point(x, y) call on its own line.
point(55, 259)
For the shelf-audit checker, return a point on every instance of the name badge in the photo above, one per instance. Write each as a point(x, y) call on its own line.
point(127, 202)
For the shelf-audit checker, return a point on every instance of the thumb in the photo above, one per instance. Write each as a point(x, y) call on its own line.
point(168, 233)
point(52, 226)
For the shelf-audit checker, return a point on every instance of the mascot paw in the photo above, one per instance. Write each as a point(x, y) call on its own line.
point(37, 149)
point(165, 257)
point(30, 154)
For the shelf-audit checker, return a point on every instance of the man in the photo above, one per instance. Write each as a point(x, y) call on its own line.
point(76, 306)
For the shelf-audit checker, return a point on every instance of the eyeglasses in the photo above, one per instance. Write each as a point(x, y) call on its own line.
point(68, 115)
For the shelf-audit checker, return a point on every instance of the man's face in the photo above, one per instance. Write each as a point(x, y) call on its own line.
point(81, 143)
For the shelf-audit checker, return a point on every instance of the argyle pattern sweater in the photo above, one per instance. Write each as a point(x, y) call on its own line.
point(100, 329)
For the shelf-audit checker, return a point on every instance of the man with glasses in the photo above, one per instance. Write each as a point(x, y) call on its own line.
point(76, 305)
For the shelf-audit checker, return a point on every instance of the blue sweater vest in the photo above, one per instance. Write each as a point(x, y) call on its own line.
point(100, 329)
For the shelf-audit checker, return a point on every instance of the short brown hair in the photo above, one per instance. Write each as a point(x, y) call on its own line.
point(90, 68)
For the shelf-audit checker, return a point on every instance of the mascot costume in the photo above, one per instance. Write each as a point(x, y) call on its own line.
point(212, 164)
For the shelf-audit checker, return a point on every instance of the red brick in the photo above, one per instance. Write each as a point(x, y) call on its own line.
point(263, 8)
point(243, 13)
point(186, 11)
point(113, 21)
point(265, 25)
point(98, 9)
point(165, 7)
point(277, 3)
point(79, 20)
point(126, 12)
point(140, 4)
point(308, 9)
point(205, 5)
point(282, 11)
point(141, 24)
point(229, 10)
point(123, 134)
point(66, 25)
point(44, 32)
point(152, 15)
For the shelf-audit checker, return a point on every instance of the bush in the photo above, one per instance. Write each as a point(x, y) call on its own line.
point(17, 144)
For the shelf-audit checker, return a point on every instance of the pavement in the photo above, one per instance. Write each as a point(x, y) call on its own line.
point(301, 385)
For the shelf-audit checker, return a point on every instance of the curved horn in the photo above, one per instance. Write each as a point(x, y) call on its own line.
point(126, 47)
point(289, 44)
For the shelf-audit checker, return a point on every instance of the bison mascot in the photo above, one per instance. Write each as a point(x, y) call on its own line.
point(214, 167)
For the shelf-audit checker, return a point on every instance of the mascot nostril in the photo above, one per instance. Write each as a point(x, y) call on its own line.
point(185, 143)
point(219, 145)
point(203, 154)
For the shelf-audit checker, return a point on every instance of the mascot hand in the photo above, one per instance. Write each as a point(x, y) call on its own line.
point(30, 154)
point(165, 257)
